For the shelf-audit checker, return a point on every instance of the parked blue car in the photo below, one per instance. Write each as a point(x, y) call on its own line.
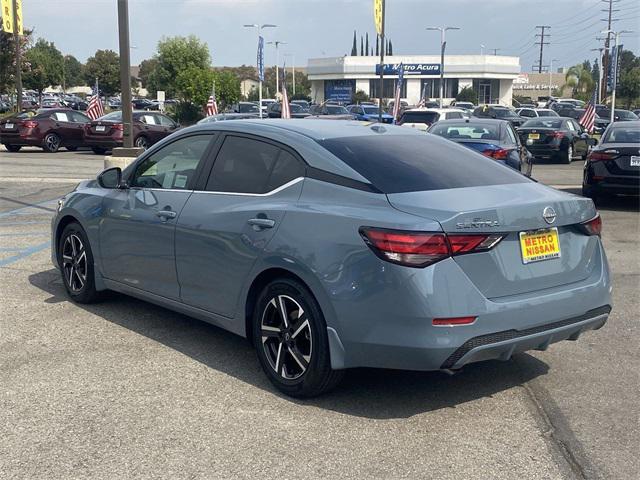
point(369, 113)
point(333, 245)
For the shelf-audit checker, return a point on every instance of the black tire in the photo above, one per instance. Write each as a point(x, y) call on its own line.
point(13, 148)
point(283, 355)
point(99, 150)
point(141, 142)
point(51, 142)
point(76, 264)
point(567, 155)
point(71, 148)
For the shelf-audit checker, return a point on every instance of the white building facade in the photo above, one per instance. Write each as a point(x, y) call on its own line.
point(490, 76)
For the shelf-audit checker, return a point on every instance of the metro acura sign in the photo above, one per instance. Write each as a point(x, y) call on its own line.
point(410, 68)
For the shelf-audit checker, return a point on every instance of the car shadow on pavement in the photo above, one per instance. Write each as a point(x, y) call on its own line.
point(612, 203)
point(370, 393)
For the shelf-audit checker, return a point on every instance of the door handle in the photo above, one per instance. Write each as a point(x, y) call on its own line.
point(166, 214)
point(260, 223)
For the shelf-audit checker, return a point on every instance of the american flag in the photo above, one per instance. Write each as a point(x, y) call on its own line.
point(588, 118)
point(423, 97)
point(396, 100)
point(286, 110)
point(212, 105)
point(95, 108)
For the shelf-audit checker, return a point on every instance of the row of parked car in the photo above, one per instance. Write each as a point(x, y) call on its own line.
point(54, 128)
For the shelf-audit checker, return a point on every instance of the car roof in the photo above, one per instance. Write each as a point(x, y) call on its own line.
point(627, 124)
point(436, 110)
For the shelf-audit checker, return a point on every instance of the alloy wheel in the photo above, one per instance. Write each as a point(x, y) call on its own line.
point(52, 142)
point(286, 337)
point(74, 262)
point(141, 142)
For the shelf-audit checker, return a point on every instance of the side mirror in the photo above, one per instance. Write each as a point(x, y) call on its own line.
point(110, 178)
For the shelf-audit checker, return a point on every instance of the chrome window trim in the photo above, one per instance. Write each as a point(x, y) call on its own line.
point(272, 192)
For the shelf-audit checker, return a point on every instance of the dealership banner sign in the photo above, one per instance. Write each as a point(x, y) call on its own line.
point(410, 68)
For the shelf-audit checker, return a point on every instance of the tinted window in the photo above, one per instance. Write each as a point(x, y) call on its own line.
point(504, 113)
point(527, 113)
point(174, 165)
point(79, 117)
point(165, 121)
point(511, 136)
point(453, 115)
point(370, 110)
point(622, 135)
point(407, 163)
point(626, 114)
point(286, 168)
point(543, 123)
point(243, 165)
point(336, 110)
point(419, 117)
point(466, 130)
point(113, 116)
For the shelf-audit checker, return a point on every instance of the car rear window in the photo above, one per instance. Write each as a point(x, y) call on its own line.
point(466, 131)
point(411, 163)
point(419, 117)
point(543, 123)
point(622, 135)
point(547, 113)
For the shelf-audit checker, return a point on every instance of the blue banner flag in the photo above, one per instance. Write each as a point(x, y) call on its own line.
point(261, 59)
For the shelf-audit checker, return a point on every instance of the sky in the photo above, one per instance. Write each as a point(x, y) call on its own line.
point(318, 28)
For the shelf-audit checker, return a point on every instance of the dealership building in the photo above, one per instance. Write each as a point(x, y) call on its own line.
point(490, 76)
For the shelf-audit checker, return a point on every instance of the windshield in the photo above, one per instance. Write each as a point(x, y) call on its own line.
point(466, 131)
point(247, 108)
point(542, 123)
point(411, 163)
point(419, 117)
point(547, 113)
point(622, 135)
point(464, 105)
point(336, 110)
point(370, 110)
point(113, 116)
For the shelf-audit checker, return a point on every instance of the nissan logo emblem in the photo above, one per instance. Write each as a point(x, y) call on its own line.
point(549, 215)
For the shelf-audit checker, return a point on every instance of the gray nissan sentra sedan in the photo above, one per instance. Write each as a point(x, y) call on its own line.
point(340, 244)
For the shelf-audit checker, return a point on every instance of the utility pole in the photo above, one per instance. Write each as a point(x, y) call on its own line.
point(125, 72)
point(607, 43)
point(542, 43)
point(16, 39)
point(277, 44)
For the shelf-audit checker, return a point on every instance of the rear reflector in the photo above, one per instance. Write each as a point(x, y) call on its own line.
point(420, 249)
point(444, 322)
point(593, 226)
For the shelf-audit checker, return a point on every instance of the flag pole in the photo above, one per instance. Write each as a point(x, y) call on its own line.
point(381, 65)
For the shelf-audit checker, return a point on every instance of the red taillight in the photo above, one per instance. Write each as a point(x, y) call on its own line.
point(600, 156)
point(420, 249)
point(593, 226)
point(29, 123)
point(118, 126)
point(498, 154)
point(556, 134)
point(449, 322)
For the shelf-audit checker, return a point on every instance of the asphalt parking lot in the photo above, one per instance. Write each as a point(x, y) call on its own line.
point(125, 389)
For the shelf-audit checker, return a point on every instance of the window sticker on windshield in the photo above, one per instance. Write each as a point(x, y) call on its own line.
point(167, 182)
point(180, 181)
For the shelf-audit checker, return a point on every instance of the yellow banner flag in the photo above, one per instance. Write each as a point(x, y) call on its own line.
point(7, 16)
point(377, 15)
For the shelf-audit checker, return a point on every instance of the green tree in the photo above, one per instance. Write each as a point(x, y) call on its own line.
point(629, 87)
point(359, 96)
point(105, 66)
point(354, 47)
point(175, 55)
point(73, 72)
point(467, 94)
point(579, 79)
point(7, 58)
point(147, 67)
point(43, 66)
point(227, 88)
point(366, 44)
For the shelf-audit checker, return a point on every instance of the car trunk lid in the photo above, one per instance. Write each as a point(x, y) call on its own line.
point(619, 159)
point(510, 210)
point(539, 135)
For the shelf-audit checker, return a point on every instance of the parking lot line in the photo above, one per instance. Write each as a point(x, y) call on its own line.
point(25, 253)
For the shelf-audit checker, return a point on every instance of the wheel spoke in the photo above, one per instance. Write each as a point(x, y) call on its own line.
point(300, 326)
point(79, 277)
point(66, 258)
point(269, 332)
point(283, 311)
point(70, 279)
point(299, 358)
point(279, 360)
point(74, 252)
point(83, 256)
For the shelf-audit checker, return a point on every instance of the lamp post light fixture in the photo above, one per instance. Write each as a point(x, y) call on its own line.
point(614, 69)
point(443, 45)
point(259, 29)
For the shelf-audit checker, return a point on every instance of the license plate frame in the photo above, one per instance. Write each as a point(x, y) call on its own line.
point(534, 136)
point(100, 128)
point(634, 161)
point(543, 244)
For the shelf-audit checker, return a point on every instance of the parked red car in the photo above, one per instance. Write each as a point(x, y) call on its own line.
point(106, 132)
point(49, 129)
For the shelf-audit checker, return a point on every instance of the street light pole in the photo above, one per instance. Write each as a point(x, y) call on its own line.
point(277, 44)
point(443, 45)
point(293, 70)
point(259, 29)
point(614, 69)
point(125, 73)
point(599, 95)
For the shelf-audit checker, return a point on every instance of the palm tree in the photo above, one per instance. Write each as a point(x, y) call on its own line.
point(579, 79)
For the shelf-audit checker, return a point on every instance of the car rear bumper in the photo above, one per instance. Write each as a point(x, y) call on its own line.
point(393, 334)
point(102, 142)
point(27, 140)
point(544, 150)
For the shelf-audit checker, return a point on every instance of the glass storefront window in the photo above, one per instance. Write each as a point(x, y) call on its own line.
point(389, 90)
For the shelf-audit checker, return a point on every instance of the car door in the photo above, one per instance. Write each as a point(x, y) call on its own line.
point(65, 128)
point(167, 126)
point(150, 127)
point(79, 122)
point(223, 228)
point(137, 227)
point(581, 144)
